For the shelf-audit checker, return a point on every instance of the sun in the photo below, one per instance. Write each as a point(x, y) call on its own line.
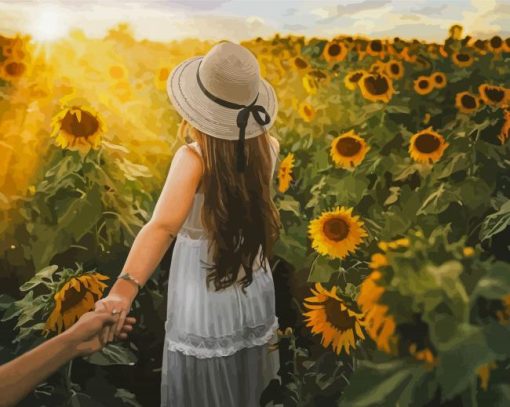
point(49, 24)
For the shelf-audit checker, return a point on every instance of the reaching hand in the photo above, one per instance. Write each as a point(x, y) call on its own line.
point(119, 303)
point(88, 331)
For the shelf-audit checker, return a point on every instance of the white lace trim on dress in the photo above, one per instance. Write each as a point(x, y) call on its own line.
point(201, 347)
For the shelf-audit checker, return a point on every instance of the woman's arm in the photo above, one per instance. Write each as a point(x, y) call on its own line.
point(155, 237)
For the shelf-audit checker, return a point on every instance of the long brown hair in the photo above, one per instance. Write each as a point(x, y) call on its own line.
point(238, 212)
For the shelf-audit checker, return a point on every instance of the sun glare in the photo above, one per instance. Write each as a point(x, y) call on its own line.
point(49, 24)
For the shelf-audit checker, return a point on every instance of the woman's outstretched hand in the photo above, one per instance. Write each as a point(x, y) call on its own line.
point(122, 305)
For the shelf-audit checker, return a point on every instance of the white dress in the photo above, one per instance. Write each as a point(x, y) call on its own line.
point(216, 342)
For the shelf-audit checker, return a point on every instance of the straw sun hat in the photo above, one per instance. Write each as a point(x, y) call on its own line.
point(223, 95)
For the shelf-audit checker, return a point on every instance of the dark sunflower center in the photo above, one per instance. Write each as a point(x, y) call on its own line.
point(496, 42)
point(300, 63)
point(87, 126)
point(73, 297)
point(348, 146)
point(468, 101)
point(340, 319)
point(15, 68)
point(395, 69)
point(427, 143)
point(336, 229)
point(438, 79)
point(507, 42)
point(495, 94)
point(376, 84)
point(423, 84)
point(376, 45)
point(356, 77)
point(334, 50)
point(479, 44)
point(463, 57)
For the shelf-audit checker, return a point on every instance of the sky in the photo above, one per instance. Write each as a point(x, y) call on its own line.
point(238, 20)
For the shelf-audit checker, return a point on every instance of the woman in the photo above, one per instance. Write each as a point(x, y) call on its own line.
point(217, 202)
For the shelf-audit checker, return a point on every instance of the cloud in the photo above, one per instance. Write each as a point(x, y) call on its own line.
point(333, 12)
point(203, 5)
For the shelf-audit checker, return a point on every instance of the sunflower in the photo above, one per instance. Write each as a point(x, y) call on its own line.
point(480, 46)
point(352, 78)
point(504, 134)
point(484, 372)
point(406, 56)
point(493, 95)
point(379, 325)
point(76, 297)
point(462, 59)
point(329, 315)
point(423, 85)
point(467, 102)
point(160, 77)
point(376, 87)
point(117, 72)
point(496, 44)
point(395, 69)
point(468, 251)
point(335, 51)
point(427, 145)
point(336, 233)
point(443, 52)
point(300, 63)
point(310, 84)
point(285, 172)
point(503, 314)
point(348, 149)
point(393, 245)
point(455, 32)
point(438, 79)
point(377, 66)
point(424, 354)
point(360, 51)
point(78, 128)
point(12, 69)
point(507, 44)
point(306, 111)
point(375, 48)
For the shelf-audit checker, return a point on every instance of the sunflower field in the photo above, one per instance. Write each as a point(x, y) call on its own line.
point(392, 269)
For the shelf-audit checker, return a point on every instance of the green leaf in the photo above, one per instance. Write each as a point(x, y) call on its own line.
point(496, 283)
point(455, 162)
point(131, 170)
point(112, 354)
point(460, 357)
point(127, 397)
point(380, 384)
point(438, 201)
point(288, 203)
point(474, 192)
point(496, 222)
point(321, 270)
point(316, 193)
point(393, 197)
point(43, 276)
point(82, 214)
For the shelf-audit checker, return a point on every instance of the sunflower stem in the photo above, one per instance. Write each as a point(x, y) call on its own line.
point(68, 375)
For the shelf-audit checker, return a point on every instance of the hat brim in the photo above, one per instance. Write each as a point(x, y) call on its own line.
point(208, 116)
